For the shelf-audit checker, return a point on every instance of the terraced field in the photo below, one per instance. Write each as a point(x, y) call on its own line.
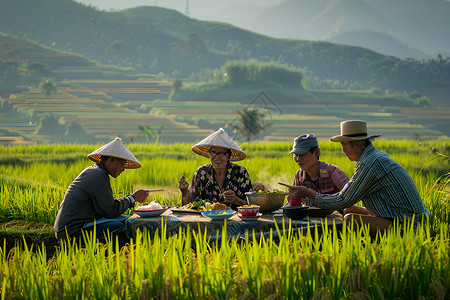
point(109, 101)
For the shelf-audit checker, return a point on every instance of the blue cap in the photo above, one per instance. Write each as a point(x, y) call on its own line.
point(303, 143)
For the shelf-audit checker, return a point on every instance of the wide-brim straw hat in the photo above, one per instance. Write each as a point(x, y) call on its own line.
point(353, 130)
point(219, 139)
point(116, 148)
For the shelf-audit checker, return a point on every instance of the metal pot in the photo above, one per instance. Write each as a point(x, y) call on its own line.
point(268, 202)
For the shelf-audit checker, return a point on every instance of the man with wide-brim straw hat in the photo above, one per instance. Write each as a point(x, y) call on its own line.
point(89, 203)
point(384, 187)
point(353, 131)
point(220, 180)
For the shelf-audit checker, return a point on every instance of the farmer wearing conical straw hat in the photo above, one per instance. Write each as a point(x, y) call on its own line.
point(89, 199)
point(220, 180)
point(385, 188)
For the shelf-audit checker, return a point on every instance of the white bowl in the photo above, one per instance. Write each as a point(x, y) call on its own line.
point(150, 213)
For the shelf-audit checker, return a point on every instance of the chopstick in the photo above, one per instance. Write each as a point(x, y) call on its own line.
point(157, 190)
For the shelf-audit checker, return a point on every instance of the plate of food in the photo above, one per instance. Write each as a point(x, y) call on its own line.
point(153, 209)
point(218, 214)
point(195, 207)
point(250, 218)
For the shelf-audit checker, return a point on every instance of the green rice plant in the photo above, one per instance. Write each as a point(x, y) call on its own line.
point(399, 264)
point(33, 179)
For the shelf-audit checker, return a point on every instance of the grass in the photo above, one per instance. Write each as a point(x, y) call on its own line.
point(400, 264)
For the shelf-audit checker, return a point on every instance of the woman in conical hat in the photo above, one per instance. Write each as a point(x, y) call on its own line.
point(89, 198)
point(220, 180)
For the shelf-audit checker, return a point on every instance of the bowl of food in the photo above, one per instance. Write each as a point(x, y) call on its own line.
point(295, 212)
point(248, 210)
point(218, 214)
point(267, 201)
point(150, 210)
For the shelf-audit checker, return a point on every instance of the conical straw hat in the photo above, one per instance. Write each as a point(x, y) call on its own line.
point(116, 148)
point(219, 139)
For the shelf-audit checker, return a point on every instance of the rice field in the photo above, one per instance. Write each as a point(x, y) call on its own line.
point(346, 265)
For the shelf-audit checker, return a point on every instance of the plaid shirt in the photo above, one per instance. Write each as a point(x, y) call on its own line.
point(384, 187)
point(331, 180)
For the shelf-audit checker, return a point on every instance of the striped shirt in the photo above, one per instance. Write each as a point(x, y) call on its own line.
point(331, 180)
point(384, 187)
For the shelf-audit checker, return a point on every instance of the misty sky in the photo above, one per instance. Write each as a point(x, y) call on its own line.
point(213, 10)
point(196, 7)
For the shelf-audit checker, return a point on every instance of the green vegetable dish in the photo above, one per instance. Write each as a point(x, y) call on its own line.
point(274, 191)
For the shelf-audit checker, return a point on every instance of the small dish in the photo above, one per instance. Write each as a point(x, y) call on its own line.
point(317, 212)
point(150, 213)
point(250, 218)
point(248, 211)
point(218, 214)
point(295, 212)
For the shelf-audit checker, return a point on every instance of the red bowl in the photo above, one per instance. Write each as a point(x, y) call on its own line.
point(248, 211)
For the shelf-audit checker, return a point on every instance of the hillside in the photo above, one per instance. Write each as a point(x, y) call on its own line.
point(154, 39)
point(106, 101)
point(99, 98)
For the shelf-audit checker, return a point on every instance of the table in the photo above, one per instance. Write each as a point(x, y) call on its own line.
point(265, 226)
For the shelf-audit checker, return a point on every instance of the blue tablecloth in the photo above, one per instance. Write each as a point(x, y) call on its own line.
point(265, 226)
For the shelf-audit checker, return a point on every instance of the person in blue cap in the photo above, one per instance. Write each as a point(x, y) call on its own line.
point(379, 182)
point(314, 174)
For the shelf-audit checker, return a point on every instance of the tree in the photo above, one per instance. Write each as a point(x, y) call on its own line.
point(251, 123)
point(39, 68)
point(75, 132)
point(149, 133)
point(50, 125)
point(48, 87)
point(177, 84)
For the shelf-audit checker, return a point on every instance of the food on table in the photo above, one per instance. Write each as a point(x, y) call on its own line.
point(200, 205)
point(151, 206)
point(218, 206)
point(274, 191)
point(248, 210)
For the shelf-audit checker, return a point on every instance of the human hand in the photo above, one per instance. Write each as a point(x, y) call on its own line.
point(141, 195)
point(230, 197)
point(294, 201)
point(258, 186)
point(297, 191)
point(183, 185)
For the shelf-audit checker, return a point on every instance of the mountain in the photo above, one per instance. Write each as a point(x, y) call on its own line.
point(158, 40)
point(323, 18)
point(423, 24)
point(418, 24)
point(381, 42)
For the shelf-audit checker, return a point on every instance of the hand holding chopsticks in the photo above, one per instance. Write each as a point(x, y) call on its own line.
point(299, 191)
point(142, 194)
